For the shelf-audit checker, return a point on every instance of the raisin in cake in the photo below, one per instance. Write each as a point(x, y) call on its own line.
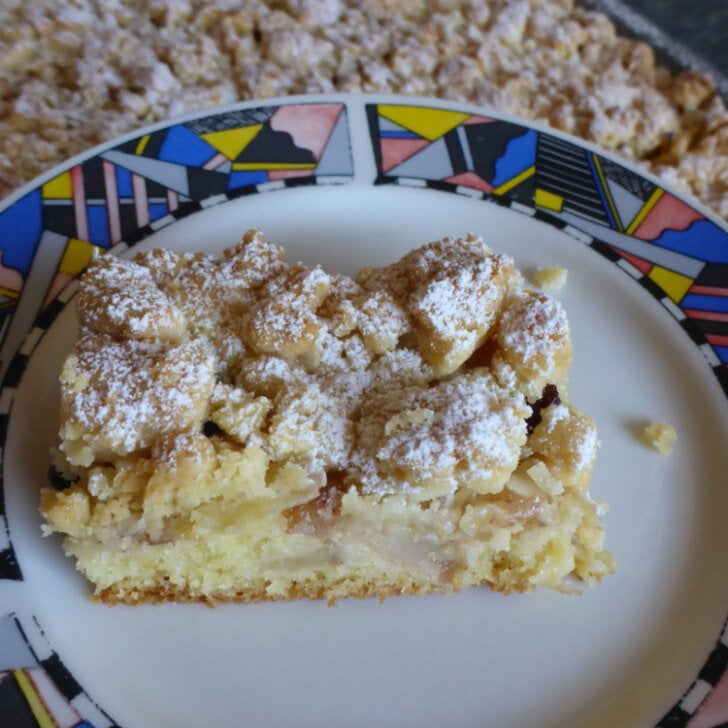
point(239, 428)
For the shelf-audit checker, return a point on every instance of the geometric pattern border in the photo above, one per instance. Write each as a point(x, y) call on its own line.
point(9, 567)
point(671, 249)
point(120, 193)
point(36, 688)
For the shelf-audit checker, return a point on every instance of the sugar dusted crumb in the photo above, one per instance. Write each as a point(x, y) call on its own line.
point(661, 436)
point(551, 278)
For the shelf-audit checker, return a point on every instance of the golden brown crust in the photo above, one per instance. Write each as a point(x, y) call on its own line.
point(313, 591)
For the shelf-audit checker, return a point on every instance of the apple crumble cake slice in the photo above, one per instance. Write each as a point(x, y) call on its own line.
point(239, 428)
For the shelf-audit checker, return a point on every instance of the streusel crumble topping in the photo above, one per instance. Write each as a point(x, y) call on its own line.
point(160, 328)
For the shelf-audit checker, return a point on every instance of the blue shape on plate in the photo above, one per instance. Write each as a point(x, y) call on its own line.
point(520, 154)
point(123, 182)
point(722, 352)
point(20, 229)
point(702, 239)
point(98, 225)
point(243, 179)
point(705, 303)
point(157, 210)
point(398, 135)
point(182, 146)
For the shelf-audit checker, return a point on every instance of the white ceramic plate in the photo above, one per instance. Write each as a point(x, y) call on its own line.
point(351, 181)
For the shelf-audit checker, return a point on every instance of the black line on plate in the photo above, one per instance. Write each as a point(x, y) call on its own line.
point(61, 677)
point(4, 421)
point(25, 638)
point(675, 718)
point(373, 119)
point(64, 670)
point(244, 191)
point(15, 370)
point(606, 250)
point(722, 373)
point(136, 236)
point(689, 327)
point(187, 208)
point(501, 200)
point(300, 182)
point(438, 184)
point(653, 288)
point(9, 567)
point(550, 219)
point(711, 327)
point(46, 317)
point(715, 665)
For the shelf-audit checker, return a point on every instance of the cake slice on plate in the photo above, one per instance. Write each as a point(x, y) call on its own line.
point(238, 428)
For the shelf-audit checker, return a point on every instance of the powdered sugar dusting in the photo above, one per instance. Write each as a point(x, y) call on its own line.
point(447, 305)
point(461, 430)
point(360, 377)
point(586, 449)
point(532, 329)
point(119, 396)
point(122, 298)
point(452, 288)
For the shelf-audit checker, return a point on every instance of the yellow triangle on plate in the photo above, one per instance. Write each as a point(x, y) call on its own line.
point(428, 123)
point(77, 256)
point(674, 284)
point(58, 188)
point(232, 141)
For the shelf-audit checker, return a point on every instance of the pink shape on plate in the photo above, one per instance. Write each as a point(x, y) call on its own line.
point(397, 150)
point(714, 709)
point(477, 120)
point(668, 214)
point(215, 161)
point(9, 277)
point(310, 125)
point(274, 174)
point(470, 179)
point(60, 281)
point(710, 290)
point(642, 265)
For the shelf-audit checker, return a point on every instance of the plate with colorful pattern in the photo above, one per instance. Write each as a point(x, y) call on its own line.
point(348, 181)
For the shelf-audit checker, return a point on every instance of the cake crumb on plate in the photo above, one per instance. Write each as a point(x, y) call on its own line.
point(551, 278)
point(661, 436)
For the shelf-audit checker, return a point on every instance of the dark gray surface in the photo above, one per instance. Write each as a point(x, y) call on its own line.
point(685, 33)
point(701, 25)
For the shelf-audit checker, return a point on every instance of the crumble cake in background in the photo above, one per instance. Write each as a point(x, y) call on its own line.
point(243, 429)
point(75, 74)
